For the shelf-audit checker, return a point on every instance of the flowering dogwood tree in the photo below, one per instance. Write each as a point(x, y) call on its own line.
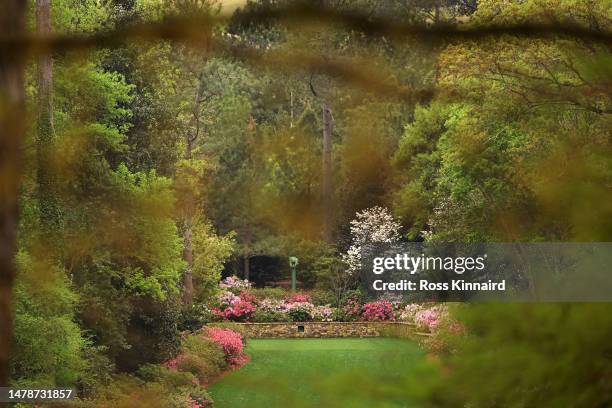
point(372, 225)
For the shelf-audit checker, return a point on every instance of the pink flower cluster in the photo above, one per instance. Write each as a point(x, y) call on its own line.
point(297, 298)
point(352, 309)
point(377, 311)
point(322, 313)
point(430, 319)
point(271, 305)
point(427, 319)
point(235, 284)
point(228, 298)
point(230, 342)
point(234, 307)
point(248, 297)
point(287, 307)
point(242, 305)
point(171, 364)
point(240, 311)
point(196, 404)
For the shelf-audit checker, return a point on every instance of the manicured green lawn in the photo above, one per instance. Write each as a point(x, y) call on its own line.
point(319, 373)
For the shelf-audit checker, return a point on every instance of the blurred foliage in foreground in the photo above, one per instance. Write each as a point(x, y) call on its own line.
point(513, 355)
point(167, 164)
point(530, 355)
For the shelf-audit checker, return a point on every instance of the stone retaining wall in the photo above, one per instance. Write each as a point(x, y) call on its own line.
point(313, 329)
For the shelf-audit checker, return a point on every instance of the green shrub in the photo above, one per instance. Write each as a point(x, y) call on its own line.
point(164, 375)
point(48, 346)
point(300, 314)
point(131, 392)
point(195, 317)
point(204, 348)
point(355, 295)
point(211, 252)
point(322, 297)
point(200, 395)
point(529, 355)
point(152, 332)
point(200, 357)
point(203, 369)
point(340, 315)
point(99, 371)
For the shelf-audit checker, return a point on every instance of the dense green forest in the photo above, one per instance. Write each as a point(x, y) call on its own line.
point(167, 144)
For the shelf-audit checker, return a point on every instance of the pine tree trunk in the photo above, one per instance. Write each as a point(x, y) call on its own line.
point(188, 245)
point(47, 197)
point(326, 184)
point(12, 130)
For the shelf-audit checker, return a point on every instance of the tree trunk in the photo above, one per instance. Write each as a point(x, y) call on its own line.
point(326, 183)
point(188, 272)
point(190, 216)
point(188, 242)
point(47, 197)
point(12, 129)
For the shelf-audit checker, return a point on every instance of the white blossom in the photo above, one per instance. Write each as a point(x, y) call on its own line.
point(372, 225)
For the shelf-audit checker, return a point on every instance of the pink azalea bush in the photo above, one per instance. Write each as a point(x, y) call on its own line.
point(240, 311)
point(227, 298)
point(429, 319)
point(235, 307)
point(322, 313)
point(394, 298)
point(248, 297)
point(271, 305)
point(298, 311)
point(235, 284)
point(230, 342)
point(377, 311)
point(352, 310)
point(445, 330)
point(297, 298)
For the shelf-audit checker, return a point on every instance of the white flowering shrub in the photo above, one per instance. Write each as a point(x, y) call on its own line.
point(372, 225)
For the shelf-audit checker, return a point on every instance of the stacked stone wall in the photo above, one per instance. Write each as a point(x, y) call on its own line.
point(313, 329)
